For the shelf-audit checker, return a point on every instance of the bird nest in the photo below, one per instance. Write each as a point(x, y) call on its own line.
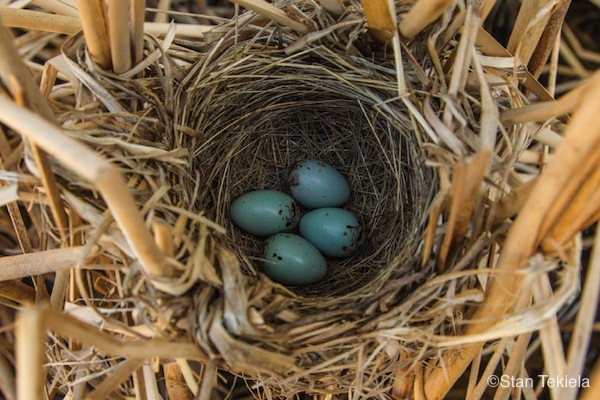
point(199, 125)
point(253, 120)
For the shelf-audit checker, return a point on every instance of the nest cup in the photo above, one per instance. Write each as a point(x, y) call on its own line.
point(257, 112)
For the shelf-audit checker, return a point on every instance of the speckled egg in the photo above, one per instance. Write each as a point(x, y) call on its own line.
point(316, 184)
point(334, 231)
point(292, 260)
point(265, 212)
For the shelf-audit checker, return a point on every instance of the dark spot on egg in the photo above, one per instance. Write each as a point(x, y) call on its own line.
point(294, 207)
point(345, 233)
point(345, 249)
point(280, 212)
point(293, 180)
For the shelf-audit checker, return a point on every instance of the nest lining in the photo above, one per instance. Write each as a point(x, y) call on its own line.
point(262, 115)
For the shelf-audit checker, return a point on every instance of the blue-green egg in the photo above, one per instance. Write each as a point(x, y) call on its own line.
point(265, 212)
point(292, 260)
point(316, 184)
point(334, 231)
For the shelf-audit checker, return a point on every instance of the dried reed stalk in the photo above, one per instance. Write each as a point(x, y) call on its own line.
point(35, 20)
point(379, 19)
point(60, 7)
point(584, 210)
point(556, 185)
point(209, 377)
point(175, 381)
point(546, 110)
point(576, 66)
point(27, 19)
point(270, 11)
point(33, 323)
point(529, 27)
point(93, 21)
point(119, 34)
point(163, 6)
point(554, 66)
point(44, 262)
point(436, 207)
point(397, 46)
point(550, 335)
point(491, 47)
point(138, 13)
point(186, 30)
point(11, 64)
point(421, 14)
point(593, 391)
point(510, 205)
point(460, 64)
point(138, 384)
point(467, 179)
point(22, 86)
point(48, 80)
point(96, 170)
point(7, 379)
point(18, 78)
point(105, 343)
point(18, 292)
point(30, 346)
point(550, 36)
point(150, 381)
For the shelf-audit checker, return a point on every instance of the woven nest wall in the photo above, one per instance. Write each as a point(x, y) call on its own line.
point(432, 171)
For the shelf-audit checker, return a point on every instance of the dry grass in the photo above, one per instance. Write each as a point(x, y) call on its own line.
point(437, 138)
